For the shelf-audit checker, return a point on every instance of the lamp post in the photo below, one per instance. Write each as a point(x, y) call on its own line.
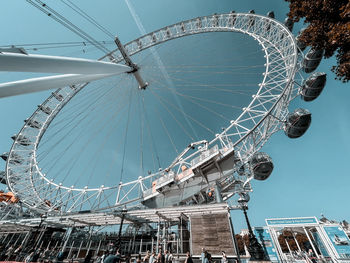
point(254, 248)
point(124, 211)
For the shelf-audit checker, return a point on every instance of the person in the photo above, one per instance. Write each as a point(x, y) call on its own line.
point(2, 253)
point(128, 258)
point(88, 257)
point(17, 253)
point(311, 255)
point(166, 256)
point(188, 258)
point(28, 259)
point(36, 255)
point(138, 259)
point(112, 258)
point(147, 257)
point(172, 239)
point(207, 257)
point(104, 256)
point(160, 257)
point(170, 258)
point(203, 255)
point(9, 253)
point(224, 257)
point(152, 258)
point(61, 256)
point(18, 250)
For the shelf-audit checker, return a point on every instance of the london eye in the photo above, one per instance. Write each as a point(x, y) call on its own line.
point(175, 117)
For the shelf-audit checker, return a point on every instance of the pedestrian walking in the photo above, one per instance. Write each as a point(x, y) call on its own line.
point(188, 258)
point(170, 258)
point(224, 257)
point(160, 257)
point(152, 258)
point(113, 258)
point(104, 256)
point(203, 255)
point(147, 257)
point(207, 257)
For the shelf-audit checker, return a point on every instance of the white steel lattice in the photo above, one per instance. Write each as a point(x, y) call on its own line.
point(245, 135)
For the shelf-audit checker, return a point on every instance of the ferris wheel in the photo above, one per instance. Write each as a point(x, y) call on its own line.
point(162, 120)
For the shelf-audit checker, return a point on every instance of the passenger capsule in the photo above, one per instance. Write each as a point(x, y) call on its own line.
point(4, 156)
point(33, 124)
point(139, 44)
point(57, 96)
point(2, 177)
point(312, 60)
point(271, 14)
point(232, 19)
point(289, 24)
point(15, 158)
point(297, 123)
point(199, 22)
point(22, 140)
point(261, 165)
point(44, 109)
point(215, 20)
point(182, 27)
point(252, 19)
point(154, 38)
point(313, 86)
point(301, 45)
point(168, 34)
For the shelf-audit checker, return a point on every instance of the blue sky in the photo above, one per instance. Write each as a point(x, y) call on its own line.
point(311, 174)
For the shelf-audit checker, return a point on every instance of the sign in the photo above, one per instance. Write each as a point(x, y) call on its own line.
point(339, 240)
point(264, 238)
point(292, 221)
point(320, 244)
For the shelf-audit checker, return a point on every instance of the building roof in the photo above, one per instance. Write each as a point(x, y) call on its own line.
point(171, 214)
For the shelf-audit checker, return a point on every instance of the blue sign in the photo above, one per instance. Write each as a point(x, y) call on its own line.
point(291, 221)
point(264, 238)
point(320, 244)
point(340, 240)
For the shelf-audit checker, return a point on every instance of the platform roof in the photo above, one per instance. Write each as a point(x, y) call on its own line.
point(170, 214)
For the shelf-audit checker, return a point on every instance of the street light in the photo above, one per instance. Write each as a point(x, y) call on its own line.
point(123, 213)
point(254, 248)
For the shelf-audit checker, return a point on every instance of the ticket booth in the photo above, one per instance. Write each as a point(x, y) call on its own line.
point(304, 240)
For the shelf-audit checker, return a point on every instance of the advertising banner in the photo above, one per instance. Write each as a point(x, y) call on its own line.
point(264, 238)
point(320, 244)
point(292, 221)
point(339, 240)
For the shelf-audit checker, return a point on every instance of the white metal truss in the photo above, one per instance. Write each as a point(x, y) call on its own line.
point(172, 214)
point(241, 139)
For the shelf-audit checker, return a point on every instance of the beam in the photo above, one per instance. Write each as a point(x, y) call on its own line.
point(46, 83)
point(16, 62)
point(134, 68)
point(82, 221)
point(163, 216)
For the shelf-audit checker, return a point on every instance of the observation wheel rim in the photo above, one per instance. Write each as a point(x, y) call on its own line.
point(60, 104)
